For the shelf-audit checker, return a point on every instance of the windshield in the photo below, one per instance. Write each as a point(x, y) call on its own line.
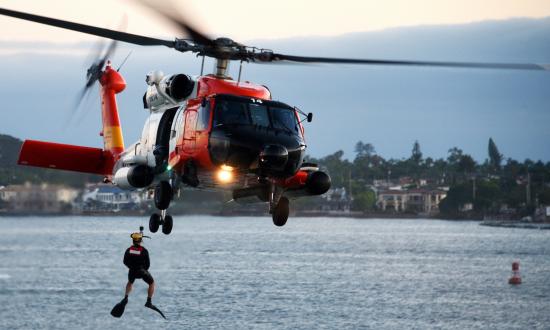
point(284, 118)
point(231, 112)
point(259, 115)
point(250, 112)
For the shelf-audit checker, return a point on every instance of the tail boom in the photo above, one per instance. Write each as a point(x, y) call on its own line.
point(66, 157)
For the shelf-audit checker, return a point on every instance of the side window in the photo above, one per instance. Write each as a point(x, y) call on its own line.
point(178, 126)
point(190, 124)
point(204, 117)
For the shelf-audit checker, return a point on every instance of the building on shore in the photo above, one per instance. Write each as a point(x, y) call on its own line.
point(421, 201)
point(337, 200)
point(110, 198)
point(542, 214)
point(44, 198)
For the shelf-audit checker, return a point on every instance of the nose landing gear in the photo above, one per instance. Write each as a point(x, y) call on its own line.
point(280, 212)
point(279, 206)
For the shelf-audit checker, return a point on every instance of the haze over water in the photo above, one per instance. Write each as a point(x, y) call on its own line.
point(242, 273)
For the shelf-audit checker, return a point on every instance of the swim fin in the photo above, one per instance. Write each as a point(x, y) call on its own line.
point(118, 310)
point(153, 307)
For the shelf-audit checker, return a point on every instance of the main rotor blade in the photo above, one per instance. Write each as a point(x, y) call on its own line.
point(307, 59)
point(101, 32)
point(170, 15)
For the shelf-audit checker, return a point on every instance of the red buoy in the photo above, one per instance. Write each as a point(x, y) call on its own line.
point(516, 278)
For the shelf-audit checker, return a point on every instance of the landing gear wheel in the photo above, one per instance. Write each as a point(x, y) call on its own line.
point(154, 222)
point(167, 225)
point(280, 212)
point(163, 195)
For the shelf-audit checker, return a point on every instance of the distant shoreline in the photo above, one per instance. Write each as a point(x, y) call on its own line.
point(517, 224)
point(353, 215)
point(307, 214)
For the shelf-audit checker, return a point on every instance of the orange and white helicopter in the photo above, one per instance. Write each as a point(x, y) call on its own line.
point(206, 132)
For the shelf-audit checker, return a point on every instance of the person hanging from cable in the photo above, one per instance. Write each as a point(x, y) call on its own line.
point(136, 258)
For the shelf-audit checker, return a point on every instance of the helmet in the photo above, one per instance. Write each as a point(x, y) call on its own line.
point(136, 237)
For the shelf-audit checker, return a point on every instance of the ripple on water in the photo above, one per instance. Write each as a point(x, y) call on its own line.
point(241, 273)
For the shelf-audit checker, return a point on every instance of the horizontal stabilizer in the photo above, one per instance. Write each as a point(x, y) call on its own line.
point(65, 157)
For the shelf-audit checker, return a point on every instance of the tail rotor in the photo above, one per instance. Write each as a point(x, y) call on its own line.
point(99, 58)
point(95, 70)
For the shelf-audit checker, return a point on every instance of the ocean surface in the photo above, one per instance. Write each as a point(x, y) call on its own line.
point(245, 273)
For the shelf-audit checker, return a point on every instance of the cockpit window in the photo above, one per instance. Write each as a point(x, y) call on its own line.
point(244, 111)
point(284, 119)
point(259, 115)
point(231, 112)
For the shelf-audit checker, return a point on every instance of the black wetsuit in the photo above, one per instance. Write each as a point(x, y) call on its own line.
point(136, 259)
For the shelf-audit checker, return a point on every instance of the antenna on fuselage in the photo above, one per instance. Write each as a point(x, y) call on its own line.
point(202, 65)
point(240, 71)
point(126, 58)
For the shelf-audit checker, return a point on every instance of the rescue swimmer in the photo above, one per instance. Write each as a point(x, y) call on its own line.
point(136, 258)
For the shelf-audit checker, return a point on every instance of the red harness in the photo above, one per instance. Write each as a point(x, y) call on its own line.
point(135, 250)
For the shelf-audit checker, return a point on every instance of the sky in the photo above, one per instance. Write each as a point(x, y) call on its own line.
point(434, 106)
point(253, 19)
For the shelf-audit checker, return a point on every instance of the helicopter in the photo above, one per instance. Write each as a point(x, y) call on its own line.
point(204, 132)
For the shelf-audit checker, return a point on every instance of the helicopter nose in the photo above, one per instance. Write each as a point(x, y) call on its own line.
point(273, 157)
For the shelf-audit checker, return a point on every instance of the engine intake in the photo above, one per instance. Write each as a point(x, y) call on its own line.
point(178, 86)
point(133, 177)
point(161, 89)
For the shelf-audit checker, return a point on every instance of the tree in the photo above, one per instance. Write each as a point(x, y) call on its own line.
point(367, 165)
point(454, 156)
point(488, 196)
point(544, 196)
point(416, 155)
point(338, 168)
point(364, 201)
point(466, 164)
point(364, 149)
point(495, 158)
point(457, 196)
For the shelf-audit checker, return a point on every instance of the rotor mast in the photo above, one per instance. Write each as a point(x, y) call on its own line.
point(222, 65)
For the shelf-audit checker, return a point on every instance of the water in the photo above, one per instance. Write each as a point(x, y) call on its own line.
point(244, 273)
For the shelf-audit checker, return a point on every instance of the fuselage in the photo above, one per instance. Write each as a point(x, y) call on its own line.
point(221, 125)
